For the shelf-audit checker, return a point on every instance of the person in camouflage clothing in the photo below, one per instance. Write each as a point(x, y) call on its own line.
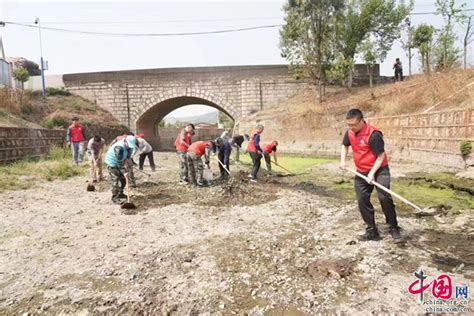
point(117, 161)
point(195, 152)
point(182, 143)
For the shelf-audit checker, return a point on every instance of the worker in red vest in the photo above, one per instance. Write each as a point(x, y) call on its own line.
point(194, 154)
point(182, 143)
point(255, 151)
point(371, 160)
point(267, 150)
point(75, 137)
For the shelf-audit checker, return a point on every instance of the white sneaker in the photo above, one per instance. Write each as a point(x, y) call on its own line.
point(249, 176)
point(253, 180)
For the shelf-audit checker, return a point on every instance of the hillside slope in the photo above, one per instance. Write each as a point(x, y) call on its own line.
point(56, 111)
point(302, 125)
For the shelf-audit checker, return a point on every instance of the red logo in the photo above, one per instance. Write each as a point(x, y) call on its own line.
point(441, 287)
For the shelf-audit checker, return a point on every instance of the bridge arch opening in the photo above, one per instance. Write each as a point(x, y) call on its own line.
point(162, 138)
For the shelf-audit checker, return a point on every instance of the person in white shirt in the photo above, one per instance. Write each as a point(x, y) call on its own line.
point(144, 150)
point(95, 148)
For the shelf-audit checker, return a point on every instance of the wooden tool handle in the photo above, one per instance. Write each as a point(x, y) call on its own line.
point(381, 187)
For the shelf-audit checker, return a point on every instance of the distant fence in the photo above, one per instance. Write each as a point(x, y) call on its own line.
point(167, 136)
point(18, 143)
point(428, 138)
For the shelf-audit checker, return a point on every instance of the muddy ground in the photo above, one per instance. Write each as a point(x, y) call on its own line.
point(287, 245)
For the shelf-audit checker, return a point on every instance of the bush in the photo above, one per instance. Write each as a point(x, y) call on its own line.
point(26, 110)
point(54, 122)
point(32, 93)
point(466, 148)
point(57, 91)
point(57, 152)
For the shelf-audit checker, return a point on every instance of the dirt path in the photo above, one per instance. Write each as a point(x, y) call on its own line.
point(267, 248)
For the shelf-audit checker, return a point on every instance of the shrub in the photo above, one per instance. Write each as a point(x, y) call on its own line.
point(466, 148)
point(57, 91)
point(57, 152)
point(53, 122)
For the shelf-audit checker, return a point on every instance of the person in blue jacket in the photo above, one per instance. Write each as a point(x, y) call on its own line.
point(117, 160)
point(224, 156)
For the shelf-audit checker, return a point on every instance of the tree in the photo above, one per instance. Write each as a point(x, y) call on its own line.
point(422, 39)
point(21, 75)
point(379, 19)
point(225, 120)
point(446, 53)
point(307, 38)
point(467, 38)
point(369, 54)
point(406, 40)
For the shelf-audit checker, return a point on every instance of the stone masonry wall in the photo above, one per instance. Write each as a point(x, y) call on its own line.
point(432, 138)
point(17, 143)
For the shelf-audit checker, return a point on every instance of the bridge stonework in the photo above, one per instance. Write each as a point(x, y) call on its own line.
point(141, 98)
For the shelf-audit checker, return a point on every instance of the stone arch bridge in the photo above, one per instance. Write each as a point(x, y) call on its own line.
point(140, 99)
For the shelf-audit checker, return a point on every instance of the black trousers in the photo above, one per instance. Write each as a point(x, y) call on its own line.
point(364, 190)
point(398, 74)
point(225, 162)
point(256, 163)
point(150, 159)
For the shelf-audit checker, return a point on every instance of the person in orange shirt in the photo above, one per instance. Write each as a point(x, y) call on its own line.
point(194, 154)
point(267, 150)
point(182, 143)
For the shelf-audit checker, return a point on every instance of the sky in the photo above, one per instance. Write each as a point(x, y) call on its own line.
point(75, 53)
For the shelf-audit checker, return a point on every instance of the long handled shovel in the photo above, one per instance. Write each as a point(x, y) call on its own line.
point(91, 186)
point(381, 187)
point(223, 166)
point(128, 205)
point(282, 167)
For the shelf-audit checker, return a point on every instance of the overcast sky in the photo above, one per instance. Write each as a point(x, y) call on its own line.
point(73, 53)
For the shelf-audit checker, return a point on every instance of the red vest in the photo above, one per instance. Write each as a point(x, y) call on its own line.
point(251, 146)
point(364, 157)
point(199, 148)
point(187, 140)
point(76, 133)
point(268, 148)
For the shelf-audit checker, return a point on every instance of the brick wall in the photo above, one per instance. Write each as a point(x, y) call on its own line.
point(18, 143)
point(432, 138)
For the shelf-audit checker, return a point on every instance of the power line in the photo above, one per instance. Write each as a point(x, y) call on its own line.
point(147, 34)
point(436, 13)
point(158, 21)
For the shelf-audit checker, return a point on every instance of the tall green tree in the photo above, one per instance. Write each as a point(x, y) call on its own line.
point(446, 53)
point(406, 40)
point(308, 36)
point(423, 40)
point(380, 19)
point(21, 75)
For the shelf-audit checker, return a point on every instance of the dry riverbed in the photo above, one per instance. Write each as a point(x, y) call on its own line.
point(287, 245)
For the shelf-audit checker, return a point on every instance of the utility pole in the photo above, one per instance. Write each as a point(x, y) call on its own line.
point(43, 91)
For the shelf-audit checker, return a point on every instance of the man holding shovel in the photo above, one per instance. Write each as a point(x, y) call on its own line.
point(117, 161)
point(267, 150)
point(194, 154)
point(223, 154)
point(371, 161)
point(94, 152)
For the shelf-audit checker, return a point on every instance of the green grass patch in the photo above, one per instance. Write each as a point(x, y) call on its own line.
point(295, 164)
point(26, 173)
